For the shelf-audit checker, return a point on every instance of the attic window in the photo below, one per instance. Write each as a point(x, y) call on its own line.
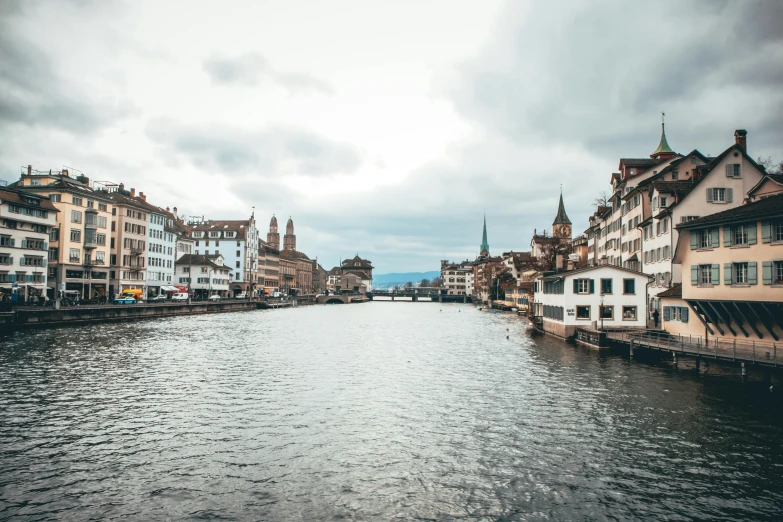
point(225, 226)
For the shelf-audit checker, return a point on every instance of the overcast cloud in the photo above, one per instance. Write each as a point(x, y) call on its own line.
point(386, 129)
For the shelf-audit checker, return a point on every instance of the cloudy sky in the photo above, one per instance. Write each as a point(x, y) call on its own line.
point(386, 128)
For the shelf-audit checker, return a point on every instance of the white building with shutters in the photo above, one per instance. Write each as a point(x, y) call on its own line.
point(593, 296)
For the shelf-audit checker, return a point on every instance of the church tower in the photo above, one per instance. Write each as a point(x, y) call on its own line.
point(484, 248)
point(273, 238)
point(289, 240)
point(561, 226)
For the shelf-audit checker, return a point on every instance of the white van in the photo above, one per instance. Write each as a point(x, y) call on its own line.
point(182, 296)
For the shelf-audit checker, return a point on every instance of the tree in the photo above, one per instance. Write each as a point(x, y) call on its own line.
point(408, 285)
point(437, 282)
point(770, 166)
point(602, 200)
point(425, 283)
point(558, 245)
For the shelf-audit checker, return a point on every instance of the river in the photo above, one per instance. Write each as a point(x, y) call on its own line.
point(372, 411)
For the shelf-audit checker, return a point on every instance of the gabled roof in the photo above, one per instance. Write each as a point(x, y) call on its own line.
point(771, 206)
point(775, 178)
point(16, 196)
point(135, 201)
point(672, 187)
point(200, 260)
point(639, 162)
point(566, 273)
point(294, 254)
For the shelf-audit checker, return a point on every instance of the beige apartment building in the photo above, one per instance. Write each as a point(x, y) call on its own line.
point(78, 257)
point(130, 222)
point(732, 265)
point(268, 268)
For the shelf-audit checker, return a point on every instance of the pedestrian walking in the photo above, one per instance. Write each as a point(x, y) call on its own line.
point(656, 317)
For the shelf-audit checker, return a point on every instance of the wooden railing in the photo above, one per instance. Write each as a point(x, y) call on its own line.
point(757, 352)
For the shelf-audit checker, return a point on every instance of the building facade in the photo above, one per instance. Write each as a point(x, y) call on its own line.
point(236, 241)
point(204, 276)
point(26, 222)
point(457, 277)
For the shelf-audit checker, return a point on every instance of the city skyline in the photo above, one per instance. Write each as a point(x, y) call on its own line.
point(386, 131)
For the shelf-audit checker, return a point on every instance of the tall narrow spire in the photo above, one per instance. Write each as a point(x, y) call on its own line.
point(663, 146)
point(561, 218)
point(484, 243)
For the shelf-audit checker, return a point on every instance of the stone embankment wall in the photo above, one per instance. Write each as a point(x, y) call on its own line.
point(32, 317)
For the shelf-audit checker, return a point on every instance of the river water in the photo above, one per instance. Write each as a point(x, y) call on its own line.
point(374, 411)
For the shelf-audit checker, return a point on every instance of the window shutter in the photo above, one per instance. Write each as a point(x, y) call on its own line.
point(592, 286)
point(694, 239)
point(666, 313)
point(694, 275)
point(766, 232)
point(715, 237)
point(726, 235)
point(729, 170)
point(715, 280)
point(727, 275)
point(684, 314)
point(729, 195)
point(766, 272)
point(709, 195)
point(752, 233)
point(752, 275)
point(576, 286)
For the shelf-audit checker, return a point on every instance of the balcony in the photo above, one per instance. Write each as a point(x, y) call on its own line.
point(135, 251)
point(94, 262)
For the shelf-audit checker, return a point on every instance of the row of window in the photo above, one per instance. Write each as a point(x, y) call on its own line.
point(553, 312)
point(675, 313)
point(160, 249)
point(742, 273)
point(21, 277)
point(657, 254)
point(586, 286)
point(605, 312)
point(26, 211)
point(160, 234)
point(156, 261)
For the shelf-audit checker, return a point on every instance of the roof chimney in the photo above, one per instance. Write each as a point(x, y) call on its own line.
point(121, 187)
point(65, 172)
point(142, 196)
point(133, 192)
point(29, 170)
point(175, 211)
point(741, 138)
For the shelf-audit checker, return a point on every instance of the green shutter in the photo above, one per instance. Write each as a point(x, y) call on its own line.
point(694, 239)
point(576, 286)
point(752, 273)
point(684, 314)
point(729, 195)
point(592, 286)
point(694, 275)
point(766, 272)
point(715, 234)
point(752, 233)
point(766, 232)
point(666, 313)
point(715, 275)
point(727, 273)
point(726, 235)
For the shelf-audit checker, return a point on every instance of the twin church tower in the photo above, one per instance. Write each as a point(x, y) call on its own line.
point(273, 237)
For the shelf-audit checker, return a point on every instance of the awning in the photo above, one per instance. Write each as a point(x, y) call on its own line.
point(633, 258)
point(169, 288)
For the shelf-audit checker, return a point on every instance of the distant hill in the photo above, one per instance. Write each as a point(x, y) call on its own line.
point(401, 278)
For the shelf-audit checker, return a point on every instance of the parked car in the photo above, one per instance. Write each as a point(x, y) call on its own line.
point(242, 296)
point(214, 297)
point(182, 296)
point(125, 300)
point(160, 297)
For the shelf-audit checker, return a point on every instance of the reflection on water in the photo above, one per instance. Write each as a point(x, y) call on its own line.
point(374, 411)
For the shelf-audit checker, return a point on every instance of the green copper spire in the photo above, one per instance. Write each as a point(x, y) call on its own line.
point(484, 244)
point(663, 146)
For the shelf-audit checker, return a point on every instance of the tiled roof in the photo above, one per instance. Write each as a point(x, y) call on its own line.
point(564, 273)
point(200, 260)
point(639, 162)
point(294, 254)
point(674, 291)
point(136, 201)
point(771, 206)
point(15, 196)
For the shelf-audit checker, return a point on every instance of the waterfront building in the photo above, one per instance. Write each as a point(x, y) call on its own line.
point(487, 272)
point(237, 242)
point(203, 275)
point(161, 251)
point(360, 267)
point(287, 274)
point(303, 268)
point(457, 277)
point(350, 283)
point(732, 263)
point(78, 246)
point(319, 277)
point(332, 276)
point(26, 221)
point(268, 267)
point(592, 296)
